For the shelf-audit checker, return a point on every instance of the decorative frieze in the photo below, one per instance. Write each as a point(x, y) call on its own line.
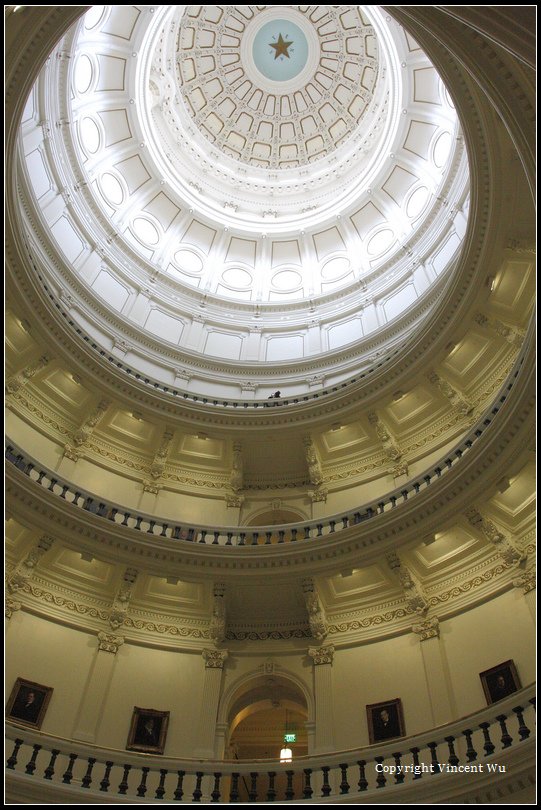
point(215, 659)
point(321, 655)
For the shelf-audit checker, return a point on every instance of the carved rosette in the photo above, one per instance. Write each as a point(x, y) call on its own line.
point(322, 655)
point(429, 628)
point(215, 659)
point(109, 643)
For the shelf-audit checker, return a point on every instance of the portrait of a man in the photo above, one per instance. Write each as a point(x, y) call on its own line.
point(148, 730)
point(385, 720)
point(500, 681)
point(28, 702)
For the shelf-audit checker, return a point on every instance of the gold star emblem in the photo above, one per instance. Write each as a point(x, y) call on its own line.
point(280, 47)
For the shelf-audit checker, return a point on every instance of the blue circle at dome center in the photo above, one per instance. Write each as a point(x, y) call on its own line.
point(280, 50)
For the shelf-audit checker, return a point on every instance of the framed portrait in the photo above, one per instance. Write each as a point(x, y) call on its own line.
point(28, 702)
point(148, 731)
point(385, 720)
point(500, 681)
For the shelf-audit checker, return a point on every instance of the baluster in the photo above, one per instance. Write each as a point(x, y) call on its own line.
point(271, 792)
point(434, 758)
point(523, 730)
point(234, 792)
point(268, 536)
point(471, 753)
point(393, 500)
point(179, 792)
point(123, 787)
point(104, 784)
point(125, 521)
point(307, 532)
point(344, 784)
point(381, 507)
point(325, 787)
point(417, 772)
point(203, 535)
point(160, 790)
point(281, 535)
point(138, 521)
point(290, 793)
point(87, 778)
point(12, 761)
point(252, 794)
point(229, 536)
point(215, 795)
point(506, 740)
point(112, 514)
point(68, 774)
point(357, 517)
point(65, 488)
point(332, 524)
point(40, 476)
point(142, 789)
point(453, 759)
point(399, 775)
point(52, 484)
point(381, 780)
point(307, 792)
point(242, 537)
point(293, 535)
point(345, 522)
point(164, 530)
point(489, 745)
point(363, 782)
point(196, 795)
point(151, 525)
point(404, 493)
point(49, 770)
point(216, 540)
point(255, 538)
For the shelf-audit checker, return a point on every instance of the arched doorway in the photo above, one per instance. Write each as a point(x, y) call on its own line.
point(259, 712)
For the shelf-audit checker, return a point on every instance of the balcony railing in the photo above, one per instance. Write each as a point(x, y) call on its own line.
point(262, 535)
point(473, 744)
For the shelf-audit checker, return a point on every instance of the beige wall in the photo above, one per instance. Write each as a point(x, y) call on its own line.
point(170, 680)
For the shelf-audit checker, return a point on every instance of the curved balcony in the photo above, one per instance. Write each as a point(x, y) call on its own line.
point(468, 756)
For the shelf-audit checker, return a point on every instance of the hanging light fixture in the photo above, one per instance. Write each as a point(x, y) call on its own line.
point(286, 754)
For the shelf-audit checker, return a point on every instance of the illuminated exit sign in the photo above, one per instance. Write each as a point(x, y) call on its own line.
point(290, 738)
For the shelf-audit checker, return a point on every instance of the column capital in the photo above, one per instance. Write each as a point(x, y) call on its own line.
point(321, 655)
point(429, 628)
point(107, 642)
point(526, 581)
point(215, 659)
point(11, 607)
